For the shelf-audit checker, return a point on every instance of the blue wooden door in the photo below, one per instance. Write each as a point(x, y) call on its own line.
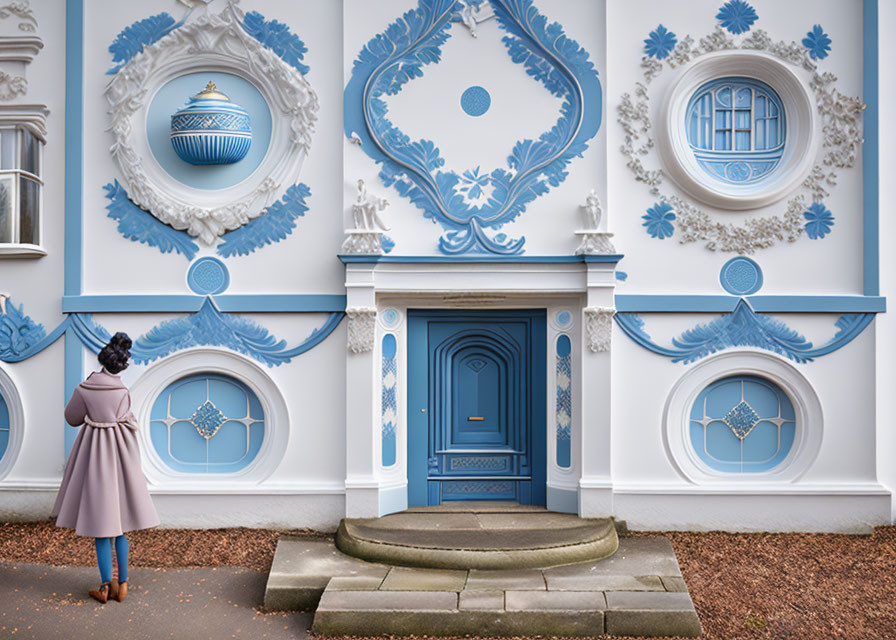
point(476, 393)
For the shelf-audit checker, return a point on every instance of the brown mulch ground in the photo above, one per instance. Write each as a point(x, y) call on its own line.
point(157, 548)
point(746, 586)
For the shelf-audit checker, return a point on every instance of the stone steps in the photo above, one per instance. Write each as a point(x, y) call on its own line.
point(500, 539)
point(637, 591)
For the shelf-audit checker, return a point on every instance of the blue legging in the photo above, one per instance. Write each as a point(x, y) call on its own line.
point(104, 557)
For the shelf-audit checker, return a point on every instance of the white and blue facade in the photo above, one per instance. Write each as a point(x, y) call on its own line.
point(611, 258)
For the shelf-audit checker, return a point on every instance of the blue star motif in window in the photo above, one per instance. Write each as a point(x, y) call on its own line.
point(207, 420)
point(818, 43)
point(660, 42)
point(742, 418)
point(737, 16)
point(658, 221)
point(819, 221)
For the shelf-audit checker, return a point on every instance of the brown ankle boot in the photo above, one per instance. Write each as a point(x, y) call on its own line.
point(122, 591)
point(102, 593)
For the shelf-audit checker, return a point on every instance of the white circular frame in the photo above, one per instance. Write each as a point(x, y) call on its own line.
point(806, 405)
point(16, 410)
point(210, 43)
point(159, 376)
point(800, 147)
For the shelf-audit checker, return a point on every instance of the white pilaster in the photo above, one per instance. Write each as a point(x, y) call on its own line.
point(595, 484)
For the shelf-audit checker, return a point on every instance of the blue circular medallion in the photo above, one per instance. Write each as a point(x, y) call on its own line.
point(741, 276)
point(390, 318)
point(208, 276)
point(564, 318)
point(475, 101)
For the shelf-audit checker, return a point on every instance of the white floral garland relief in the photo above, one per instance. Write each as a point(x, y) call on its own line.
point(841, 118)
point(211, 42)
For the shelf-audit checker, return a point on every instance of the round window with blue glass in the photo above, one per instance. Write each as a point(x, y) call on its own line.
point(207, 424)
point(742, 425)
point(736, 128)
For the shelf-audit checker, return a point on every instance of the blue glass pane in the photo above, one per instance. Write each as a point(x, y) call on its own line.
point(389, 400)
point(207, 423)
point(742, 424)
point(4, 427)
point(723, 97)
point(745, 141)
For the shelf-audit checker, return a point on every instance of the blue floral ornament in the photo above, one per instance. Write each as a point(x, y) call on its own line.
point(659, 221)
point(660, 43)
point(818, 43)
point(737, 16)
point(819, 221)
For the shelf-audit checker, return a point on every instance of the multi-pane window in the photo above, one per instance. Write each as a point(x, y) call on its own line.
point(207, 423)
point(736, 129)
point(742, 424)
point(20, 186)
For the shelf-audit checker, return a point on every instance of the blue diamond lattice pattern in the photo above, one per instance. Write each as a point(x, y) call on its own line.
point(207, 419)
point(741, 419)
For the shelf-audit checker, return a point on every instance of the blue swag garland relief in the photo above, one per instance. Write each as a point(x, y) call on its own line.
point(135, 37)
point(398, 55)
point(744, 328)
point(274, 225)
point(141, 226)
point(21, 337)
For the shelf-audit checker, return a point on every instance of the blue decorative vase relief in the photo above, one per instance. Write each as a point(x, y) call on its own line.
point(211, 129)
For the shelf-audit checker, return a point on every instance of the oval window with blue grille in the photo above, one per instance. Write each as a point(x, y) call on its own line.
point(736, 128)
point(207, 424)
point(742, 424)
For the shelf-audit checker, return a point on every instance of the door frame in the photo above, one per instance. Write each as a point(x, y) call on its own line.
point(418, 393)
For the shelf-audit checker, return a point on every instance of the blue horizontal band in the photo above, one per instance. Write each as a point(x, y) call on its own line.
point(352, 258)
point(767, 303)
point(249, 303)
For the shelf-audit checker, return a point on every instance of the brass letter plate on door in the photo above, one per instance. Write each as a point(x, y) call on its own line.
point(475, 418)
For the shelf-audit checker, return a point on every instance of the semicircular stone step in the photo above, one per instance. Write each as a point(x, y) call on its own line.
point(477, 540)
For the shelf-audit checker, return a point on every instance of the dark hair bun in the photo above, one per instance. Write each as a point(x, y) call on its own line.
point(114, 356)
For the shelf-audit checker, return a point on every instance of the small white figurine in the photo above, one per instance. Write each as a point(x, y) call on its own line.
point(365, 210)
point(591, 212)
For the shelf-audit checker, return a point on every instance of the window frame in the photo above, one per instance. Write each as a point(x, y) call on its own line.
point(26, 120)
point(809, 419)
point(800, 145)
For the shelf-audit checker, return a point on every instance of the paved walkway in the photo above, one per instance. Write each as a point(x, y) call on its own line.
point(44, 602)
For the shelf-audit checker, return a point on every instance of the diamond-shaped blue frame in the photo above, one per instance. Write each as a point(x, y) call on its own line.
point(398, 54)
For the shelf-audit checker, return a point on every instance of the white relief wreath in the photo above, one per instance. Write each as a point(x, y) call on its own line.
point(211, 42)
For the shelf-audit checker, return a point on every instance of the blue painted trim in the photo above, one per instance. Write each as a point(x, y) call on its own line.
point(228, 303)
point(74, 177)
point(74, 374)
point(819, 304)
point(74, 143)
point(650, 303)
point(370, 259)
point(744, 328)
point(282, 303)
point(870, 151)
